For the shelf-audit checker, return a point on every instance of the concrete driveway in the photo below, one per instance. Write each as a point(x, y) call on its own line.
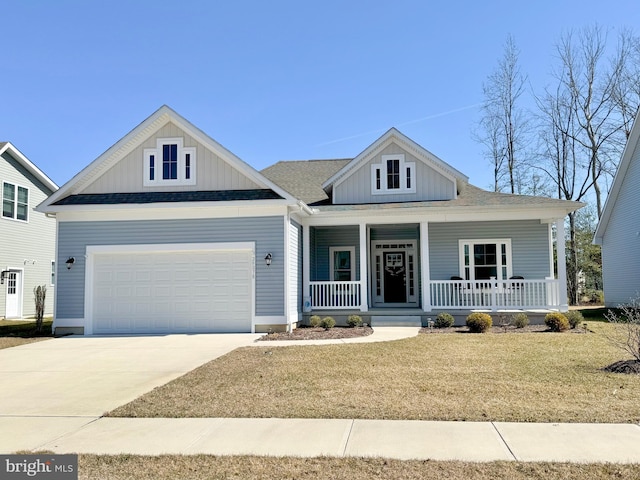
point(88, 376)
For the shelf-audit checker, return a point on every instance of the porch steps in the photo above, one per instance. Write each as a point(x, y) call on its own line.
point(396, 321)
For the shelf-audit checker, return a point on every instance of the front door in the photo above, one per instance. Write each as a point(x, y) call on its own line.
point(394, 273)
point(14, 294)
point(395, 277)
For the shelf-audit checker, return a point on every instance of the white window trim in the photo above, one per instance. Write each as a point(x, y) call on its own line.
point(382, 169)
point(471, 242)
point(157, 152)
point(15, 201)
point(352, 251)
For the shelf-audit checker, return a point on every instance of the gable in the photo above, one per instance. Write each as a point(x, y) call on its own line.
point(393, 174)
point(15, 168)
point(164, 154)
point(211, 171)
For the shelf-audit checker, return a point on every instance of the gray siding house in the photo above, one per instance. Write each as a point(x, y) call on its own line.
point(28, 238)
point(618, 231)
point(167, 231)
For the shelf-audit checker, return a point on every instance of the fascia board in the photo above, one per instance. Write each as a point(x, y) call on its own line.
point(31, 167)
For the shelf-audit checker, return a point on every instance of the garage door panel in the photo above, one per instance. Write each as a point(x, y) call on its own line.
point(203, 291)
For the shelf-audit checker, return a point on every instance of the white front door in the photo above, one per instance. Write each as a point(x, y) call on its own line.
point(14, 294)
point(394, 273)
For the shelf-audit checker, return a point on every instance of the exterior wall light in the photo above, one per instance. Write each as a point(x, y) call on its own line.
point(3, 274)
point(70, 261)
point(268, 258)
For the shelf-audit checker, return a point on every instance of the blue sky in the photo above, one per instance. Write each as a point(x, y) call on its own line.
point(277, 80)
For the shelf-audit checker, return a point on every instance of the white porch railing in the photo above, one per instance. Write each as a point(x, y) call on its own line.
point(335, 295)
point(496, 294)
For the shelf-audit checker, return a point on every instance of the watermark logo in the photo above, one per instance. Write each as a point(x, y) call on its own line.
point(50, 467)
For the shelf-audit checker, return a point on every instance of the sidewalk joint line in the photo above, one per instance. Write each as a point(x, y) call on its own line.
point(346, 441)
point(504, 441)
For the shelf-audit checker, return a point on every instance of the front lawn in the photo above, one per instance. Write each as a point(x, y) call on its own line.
point(194, 467)
point(528, 377)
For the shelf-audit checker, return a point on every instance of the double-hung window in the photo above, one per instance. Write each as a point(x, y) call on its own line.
point(484, 259)
point(170, 163)
point(342, 263)
point(15, 202)
point(393, 175)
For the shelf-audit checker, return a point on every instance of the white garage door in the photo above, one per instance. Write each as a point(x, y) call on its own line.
point(180, 291)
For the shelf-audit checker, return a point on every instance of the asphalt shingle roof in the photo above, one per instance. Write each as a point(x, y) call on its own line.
point(168, 197)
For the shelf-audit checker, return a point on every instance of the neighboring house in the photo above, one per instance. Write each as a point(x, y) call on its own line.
point(28, 238)
point(618, 230)
point(168, 231)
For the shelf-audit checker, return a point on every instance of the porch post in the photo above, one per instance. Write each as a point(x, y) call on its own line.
point(306, 263)
point(424, 267)
point(364, 276)
point(562, 265)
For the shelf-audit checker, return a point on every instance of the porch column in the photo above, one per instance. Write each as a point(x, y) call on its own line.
point(364, 275)
point(562, 264)
point(424, 267)
point(306, 263)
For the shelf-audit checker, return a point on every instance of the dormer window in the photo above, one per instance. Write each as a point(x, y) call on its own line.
point(393, 175)
point(169, 163)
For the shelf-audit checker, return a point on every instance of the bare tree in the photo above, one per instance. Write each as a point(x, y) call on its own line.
point(593, 85)
point(503, 127)
point(627, 91)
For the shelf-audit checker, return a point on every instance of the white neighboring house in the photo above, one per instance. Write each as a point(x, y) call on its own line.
point(168, 231)
point(618, 230)
point(27, 237)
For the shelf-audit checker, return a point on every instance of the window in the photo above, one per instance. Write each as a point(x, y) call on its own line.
point(53, 272)
point(393, 175)
point(170, 163)
point(15, 202)
point(483, 259)
point(342, 263)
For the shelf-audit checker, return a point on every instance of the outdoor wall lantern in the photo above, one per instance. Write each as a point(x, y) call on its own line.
point(70, 261)
point(2, 275)
point(268, 258)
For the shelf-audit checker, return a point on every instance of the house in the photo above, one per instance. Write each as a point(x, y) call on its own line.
point(168, 231)
point(619, 228)
point(28, 238)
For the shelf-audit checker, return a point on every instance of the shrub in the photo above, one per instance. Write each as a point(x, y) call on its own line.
point(444, 320)
point(520, 319)
point(327, 323)
point(315, 321)
point(354, 321)
point(479, 322)
point(556, 322)
point(626, 335)
point(574, 318)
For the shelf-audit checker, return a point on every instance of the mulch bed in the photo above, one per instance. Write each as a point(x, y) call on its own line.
point(319, 333)
point(499, 329)
point(624, 366)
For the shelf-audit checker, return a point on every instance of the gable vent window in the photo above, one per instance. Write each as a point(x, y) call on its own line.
point(175, 163)
point(399, 175)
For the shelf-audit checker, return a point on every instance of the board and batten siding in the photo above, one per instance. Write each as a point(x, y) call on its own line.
point(529, 246)
point(621, 241)
point(325, 237)
point(430, 185)
point(212, 173)
point(30, 245)
point(266, 232)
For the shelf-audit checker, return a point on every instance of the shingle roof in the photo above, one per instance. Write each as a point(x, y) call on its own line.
point(304, 178)
point(168, 197)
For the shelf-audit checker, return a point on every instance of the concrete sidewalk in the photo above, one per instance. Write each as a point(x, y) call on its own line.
point(398, 439)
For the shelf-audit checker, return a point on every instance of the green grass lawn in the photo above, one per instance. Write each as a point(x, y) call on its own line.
point(523, 377)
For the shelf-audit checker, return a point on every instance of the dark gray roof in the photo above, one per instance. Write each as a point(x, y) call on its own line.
point(168, 197)
point(304, 178)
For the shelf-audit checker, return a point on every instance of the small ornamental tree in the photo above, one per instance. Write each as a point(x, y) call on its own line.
point(39, 296)
point(626, 334)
